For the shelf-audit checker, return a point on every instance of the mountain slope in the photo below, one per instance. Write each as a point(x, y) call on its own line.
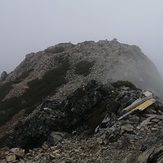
point(107, 60)
point(59, 70)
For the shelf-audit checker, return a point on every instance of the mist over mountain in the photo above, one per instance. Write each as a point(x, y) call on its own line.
point(29, 26)
point(67, 86)
point(104, 60)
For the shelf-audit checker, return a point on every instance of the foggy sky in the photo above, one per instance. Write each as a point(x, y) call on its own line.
point(33, 25)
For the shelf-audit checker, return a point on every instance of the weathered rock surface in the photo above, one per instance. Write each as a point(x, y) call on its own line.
point(84, 128)
point(79, 120)
point(3, 76)
point(103, 60)
point(67, 116)
point(59, 70)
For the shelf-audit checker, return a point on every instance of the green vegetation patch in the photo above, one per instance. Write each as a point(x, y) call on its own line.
point(4, 89)
point(120, 83)
point(23, 76)
point(83, 67)
point(37, 91)
point(7, 87)
point(51, 80)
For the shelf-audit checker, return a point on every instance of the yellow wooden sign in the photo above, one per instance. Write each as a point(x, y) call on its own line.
point(140, 107)
point(144, 105)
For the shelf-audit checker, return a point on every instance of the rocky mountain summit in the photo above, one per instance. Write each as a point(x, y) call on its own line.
point(103, 60)
point(64, 104)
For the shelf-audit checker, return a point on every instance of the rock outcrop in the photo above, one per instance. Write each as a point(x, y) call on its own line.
point(85, 128)
point(63, 117)
point(3, 76)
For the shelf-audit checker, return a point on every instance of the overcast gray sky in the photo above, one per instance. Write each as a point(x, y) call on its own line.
point(33, 25)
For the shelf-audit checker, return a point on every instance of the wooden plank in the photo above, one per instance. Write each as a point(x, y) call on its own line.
point(136, 103)
point(145, 104)
point(128, 113)
point(140, 107)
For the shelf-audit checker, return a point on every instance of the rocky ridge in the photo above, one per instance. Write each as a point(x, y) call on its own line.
point(104, 61)
point(89, 130)
point(60, 76)
point(59, 70)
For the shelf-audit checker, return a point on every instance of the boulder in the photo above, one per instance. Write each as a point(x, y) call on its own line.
point(62, 117)
point(113, 132)
point(3, 76)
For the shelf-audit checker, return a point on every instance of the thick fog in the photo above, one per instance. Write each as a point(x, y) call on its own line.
point(33, 25)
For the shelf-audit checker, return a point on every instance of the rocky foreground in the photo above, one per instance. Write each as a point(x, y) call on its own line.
point(85, 128)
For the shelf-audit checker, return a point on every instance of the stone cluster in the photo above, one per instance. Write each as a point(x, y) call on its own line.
point(85, 128)
point(131, 145)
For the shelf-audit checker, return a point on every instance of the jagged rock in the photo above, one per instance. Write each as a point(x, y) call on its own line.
point(56, 137)
point(113, 132)
point(95, 101)
point(82, 111)
point(66, 116)
point(127, 128)
point(29, 56)
point(153, 149)
point(3, 76)
point(106, 121)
